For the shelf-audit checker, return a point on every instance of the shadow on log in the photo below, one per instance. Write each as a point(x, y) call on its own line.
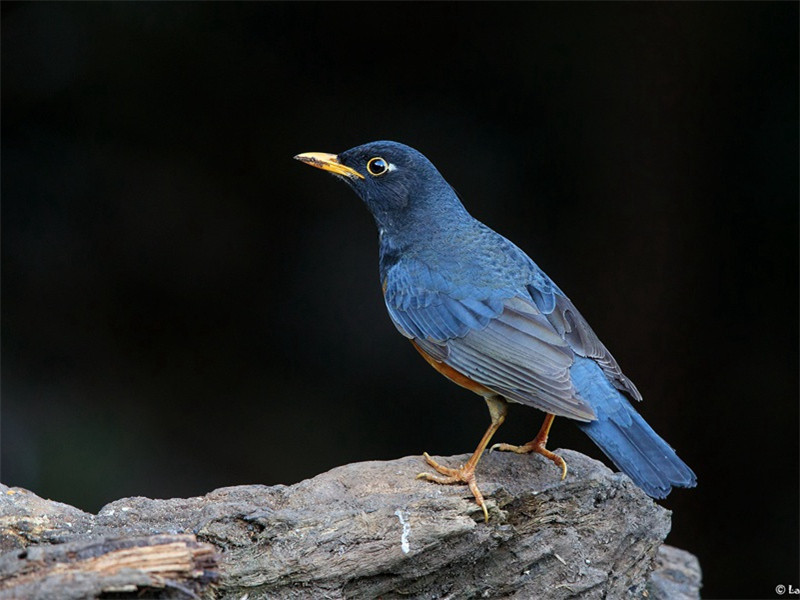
point(363, 530)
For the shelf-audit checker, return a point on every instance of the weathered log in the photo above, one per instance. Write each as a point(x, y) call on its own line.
point(89, 568)
point(362, 530)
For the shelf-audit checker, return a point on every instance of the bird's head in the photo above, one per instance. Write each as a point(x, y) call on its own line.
point(396, 182)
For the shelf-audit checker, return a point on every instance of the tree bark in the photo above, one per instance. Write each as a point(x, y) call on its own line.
point(363, 530)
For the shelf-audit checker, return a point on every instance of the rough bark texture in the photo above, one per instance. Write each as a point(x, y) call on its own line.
point(363, 530)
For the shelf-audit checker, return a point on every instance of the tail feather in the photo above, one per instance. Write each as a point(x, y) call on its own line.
point(624, 436)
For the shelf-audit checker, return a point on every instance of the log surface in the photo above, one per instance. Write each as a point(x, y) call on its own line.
point(363, 530)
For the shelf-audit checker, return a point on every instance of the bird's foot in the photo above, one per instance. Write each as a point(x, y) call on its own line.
point(465, 474)
point(534, 446)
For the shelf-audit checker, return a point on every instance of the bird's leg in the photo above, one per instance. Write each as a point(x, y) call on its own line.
point(466, 474)
point(537, 445)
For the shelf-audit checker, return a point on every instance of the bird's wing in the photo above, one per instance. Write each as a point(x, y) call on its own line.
point(574, 329)
point(499, 338)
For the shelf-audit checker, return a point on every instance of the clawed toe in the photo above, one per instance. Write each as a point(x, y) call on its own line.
point(511, 448)
point(537, 445)
point(455, 476)
point(538, 448)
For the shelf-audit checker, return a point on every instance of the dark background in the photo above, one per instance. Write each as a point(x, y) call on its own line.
point(184, 307)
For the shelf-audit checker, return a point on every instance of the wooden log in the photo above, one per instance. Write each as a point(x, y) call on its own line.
point(363, 530)
point(96, 566)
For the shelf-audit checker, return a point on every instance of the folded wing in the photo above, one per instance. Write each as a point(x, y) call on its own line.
point(499, 338)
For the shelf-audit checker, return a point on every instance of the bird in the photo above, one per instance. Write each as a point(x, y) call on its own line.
point(484, 315)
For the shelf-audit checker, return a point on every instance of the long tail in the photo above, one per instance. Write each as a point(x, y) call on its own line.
point(624, 436)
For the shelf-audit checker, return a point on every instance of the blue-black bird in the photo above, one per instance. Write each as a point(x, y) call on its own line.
point(481, 312)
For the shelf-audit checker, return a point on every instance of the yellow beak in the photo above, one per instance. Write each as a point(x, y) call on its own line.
point(328, 162)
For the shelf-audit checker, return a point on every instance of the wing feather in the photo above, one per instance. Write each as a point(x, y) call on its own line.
point(569, 323)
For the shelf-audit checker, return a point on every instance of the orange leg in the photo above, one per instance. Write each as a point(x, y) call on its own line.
point(466, 474)
point(537, 445)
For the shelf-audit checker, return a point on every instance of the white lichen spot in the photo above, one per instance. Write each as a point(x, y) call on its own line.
point(404, 545)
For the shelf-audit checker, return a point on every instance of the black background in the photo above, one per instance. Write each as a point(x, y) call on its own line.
point(184, 307)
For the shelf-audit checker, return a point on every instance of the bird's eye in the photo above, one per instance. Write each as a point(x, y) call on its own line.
point(377, 166)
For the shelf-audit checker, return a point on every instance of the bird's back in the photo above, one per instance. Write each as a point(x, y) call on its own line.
point(465, 254)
